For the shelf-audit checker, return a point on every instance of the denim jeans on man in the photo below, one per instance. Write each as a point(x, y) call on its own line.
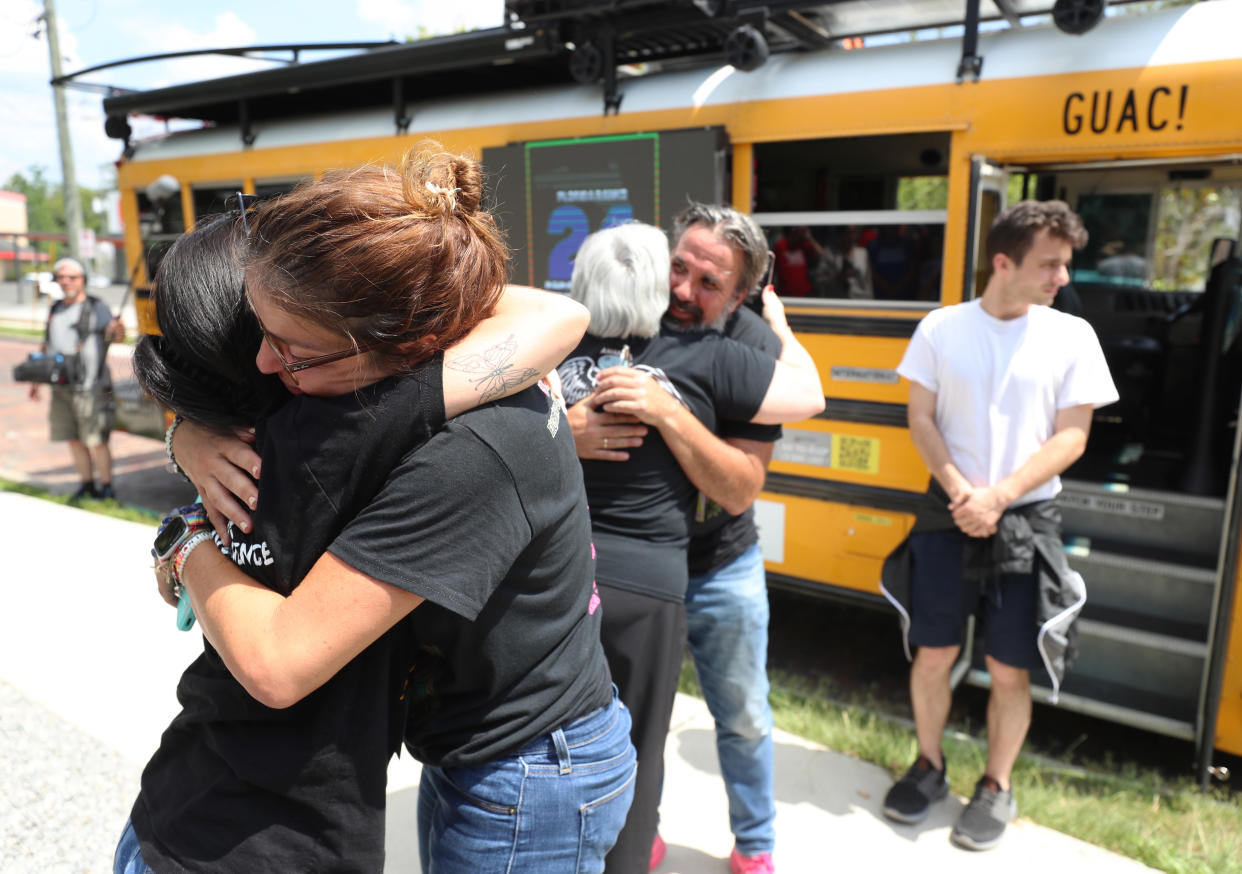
point(128, 856)
point(727, 613)
point(553, 807)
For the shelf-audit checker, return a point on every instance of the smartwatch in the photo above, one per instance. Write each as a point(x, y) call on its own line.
point(177, 528)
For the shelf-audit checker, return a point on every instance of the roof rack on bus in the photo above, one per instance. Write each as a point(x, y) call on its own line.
point(547, 42)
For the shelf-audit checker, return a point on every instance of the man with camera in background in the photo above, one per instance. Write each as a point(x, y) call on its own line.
point(82, 412)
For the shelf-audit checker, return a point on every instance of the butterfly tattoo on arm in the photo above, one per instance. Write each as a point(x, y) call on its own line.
point(497, 373)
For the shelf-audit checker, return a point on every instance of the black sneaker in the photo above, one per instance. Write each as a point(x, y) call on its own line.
point(913, 795)
point(983, 821)
point(105, 493)
point(86, 490)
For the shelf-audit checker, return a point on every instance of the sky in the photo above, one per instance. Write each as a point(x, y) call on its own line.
point(101, 31)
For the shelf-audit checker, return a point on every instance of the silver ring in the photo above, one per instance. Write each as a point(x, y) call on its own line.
point(605, 442)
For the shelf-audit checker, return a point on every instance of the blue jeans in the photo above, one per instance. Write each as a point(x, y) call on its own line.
point(553, 807)
point(128, 856)
point(727, 613)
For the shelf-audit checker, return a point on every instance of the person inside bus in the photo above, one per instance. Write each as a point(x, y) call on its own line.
point(843, 270)
point(718, 257)
point(1120, 263)
point(797, 252)
point(642, 509)
point(1002, 390)
point(440, 592)
point(893, 268)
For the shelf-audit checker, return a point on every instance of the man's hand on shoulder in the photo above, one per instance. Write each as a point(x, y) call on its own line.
point(601, 436)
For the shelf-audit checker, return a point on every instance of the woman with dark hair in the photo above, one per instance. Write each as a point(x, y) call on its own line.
point(397, 566)
point(201, 365)
point(641, 508)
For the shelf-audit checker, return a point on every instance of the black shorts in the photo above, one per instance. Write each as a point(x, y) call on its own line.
point(940, 602)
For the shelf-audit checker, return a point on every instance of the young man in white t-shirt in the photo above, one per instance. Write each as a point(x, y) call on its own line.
point(1002, 390)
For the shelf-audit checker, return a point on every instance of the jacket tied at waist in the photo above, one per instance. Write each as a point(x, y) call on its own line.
point(1027, 539)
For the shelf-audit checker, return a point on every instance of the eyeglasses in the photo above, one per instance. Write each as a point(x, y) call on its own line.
point(243, 203)
point(60, 277)
point(294, 367)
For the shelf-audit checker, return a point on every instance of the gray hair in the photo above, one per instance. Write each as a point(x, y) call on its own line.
point(735, 228)
point(72, 263)
point(621, 277)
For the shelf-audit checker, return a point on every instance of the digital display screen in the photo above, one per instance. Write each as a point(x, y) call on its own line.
point(577, 187)
point(548, 195)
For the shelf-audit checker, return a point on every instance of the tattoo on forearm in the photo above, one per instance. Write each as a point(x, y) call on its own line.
point(498, 372)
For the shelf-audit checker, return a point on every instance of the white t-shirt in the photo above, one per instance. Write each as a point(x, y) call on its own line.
point(1000, 382)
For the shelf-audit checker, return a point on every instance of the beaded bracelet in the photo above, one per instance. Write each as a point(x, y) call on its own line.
point(168, 438)
point(183, 555)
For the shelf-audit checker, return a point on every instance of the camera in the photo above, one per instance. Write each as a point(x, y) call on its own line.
point(51, 369)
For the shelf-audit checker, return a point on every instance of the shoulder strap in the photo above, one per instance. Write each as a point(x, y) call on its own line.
point(86, 321)
point(86, 318)
point(47, 328)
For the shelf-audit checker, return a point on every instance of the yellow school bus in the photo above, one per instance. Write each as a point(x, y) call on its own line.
point(876, 173)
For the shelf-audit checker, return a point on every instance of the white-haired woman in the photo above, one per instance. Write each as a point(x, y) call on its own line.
point(641, 509)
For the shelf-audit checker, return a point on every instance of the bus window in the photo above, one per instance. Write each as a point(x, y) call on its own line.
point(1149, 235)
point(1117, 227)
point(160, 223)
point(1155, 233)
point(855, 218)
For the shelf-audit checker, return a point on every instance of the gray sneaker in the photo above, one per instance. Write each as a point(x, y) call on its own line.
point(983, 821)
point(913, 795)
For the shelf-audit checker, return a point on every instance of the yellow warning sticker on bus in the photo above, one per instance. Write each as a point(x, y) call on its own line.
point(860, 454)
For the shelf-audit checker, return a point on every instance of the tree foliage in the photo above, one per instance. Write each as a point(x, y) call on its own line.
point(922, 192)
point(45, 203)
point(1189, 219)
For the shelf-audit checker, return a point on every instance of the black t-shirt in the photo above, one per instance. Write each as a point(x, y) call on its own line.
point(239, 787)
point(641, 509)
point(717, 537)
point(488, 521)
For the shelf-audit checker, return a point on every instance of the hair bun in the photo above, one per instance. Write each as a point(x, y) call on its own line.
point(437, 181)
point(449, 195)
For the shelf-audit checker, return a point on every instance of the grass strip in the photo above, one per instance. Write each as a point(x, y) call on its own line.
point(115, 509)
point(1167, 824)
point(21, 333)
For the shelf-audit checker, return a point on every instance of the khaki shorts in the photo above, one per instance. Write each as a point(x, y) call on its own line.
point(82, 415)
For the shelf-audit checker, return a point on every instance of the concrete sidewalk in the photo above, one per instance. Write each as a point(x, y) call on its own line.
point(90, 656)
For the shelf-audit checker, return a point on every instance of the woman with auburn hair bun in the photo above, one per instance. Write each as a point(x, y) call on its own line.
point(415, 563)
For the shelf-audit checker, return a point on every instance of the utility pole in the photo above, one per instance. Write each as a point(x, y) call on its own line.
point(73, 200)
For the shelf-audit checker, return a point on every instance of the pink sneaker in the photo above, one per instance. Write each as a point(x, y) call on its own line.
point(761, 864)
point(658, 849)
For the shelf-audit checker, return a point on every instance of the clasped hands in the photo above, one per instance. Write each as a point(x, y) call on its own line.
point(977, 510)
point(614, 418)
